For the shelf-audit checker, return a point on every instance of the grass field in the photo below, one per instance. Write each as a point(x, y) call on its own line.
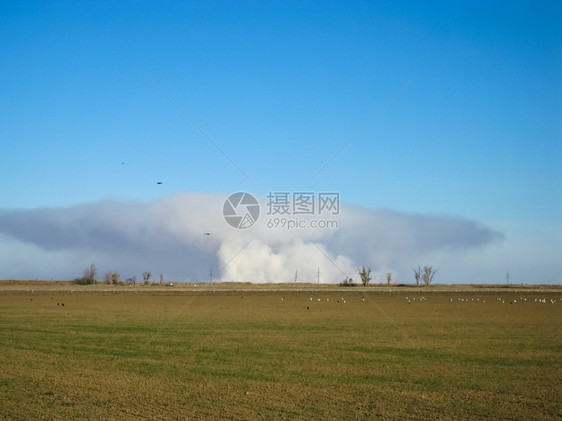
point(142, 353)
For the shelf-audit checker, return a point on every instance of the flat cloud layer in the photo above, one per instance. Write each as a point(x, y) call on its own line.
point(167, 236)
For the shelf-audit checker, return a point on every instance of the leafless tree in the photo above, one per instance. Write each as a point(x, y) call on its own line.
point(418, 274)
point(115, 278)
point(365, 274)
point(107, 278)
point(90, 274)
point(388, 278)
point(428, 274)
point(161, 279)
point(146, 277)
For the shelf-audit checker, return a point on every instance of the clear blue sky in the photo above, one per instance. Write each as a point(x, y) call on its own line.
point(281, 87)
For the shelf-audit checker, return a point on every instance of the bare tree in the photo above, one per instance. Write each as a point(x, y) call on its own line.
point(418, 274)
point(388, 278)
point(428, 274)
point(365, 274)
point(146, 277)
point(161, 279)
point(115, 278)
point(132, 280)
point(107, 278)
point(90, 274)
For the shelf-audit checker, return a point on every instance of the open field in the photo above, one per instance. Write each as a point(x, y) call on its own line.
point(253, 352)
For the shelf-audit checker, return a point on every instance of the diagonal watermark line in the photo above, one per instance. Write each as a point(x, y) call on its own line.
point(370, 299)
point(364, 126)
point(170, 320)
point(327, 256)
point(188, 302)
point(387, 317)
point(198, 128)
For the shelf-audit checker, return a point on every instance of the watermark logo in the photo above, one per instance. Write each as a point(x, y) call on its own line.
point(241, 210)
point(302, 210)
point(303, 203)
point(284, 210)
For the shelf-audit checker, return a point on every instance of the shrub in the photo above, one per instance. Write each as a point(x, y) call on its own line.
point(83, 281)
point(347, 283)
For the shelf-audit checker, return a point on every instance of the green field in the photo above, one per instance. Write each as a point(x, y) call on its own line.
point(148, 353)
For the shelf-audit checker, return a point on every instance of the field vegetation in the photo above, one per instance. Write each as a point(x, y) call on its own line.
point(270, 352)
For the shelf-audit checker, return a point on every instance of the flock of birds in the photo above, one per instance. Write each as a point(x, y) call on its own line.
point(414, 299)
point(498, 299)
point(342, 300)
point(524, 300)
point(409, 300)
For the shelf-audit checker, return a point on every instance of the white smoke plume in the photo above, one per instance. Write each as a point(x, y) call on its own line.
point(169, 236)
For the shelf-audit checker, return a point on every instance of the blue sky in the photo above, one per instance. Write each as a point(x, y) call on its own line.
point(281, 87)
